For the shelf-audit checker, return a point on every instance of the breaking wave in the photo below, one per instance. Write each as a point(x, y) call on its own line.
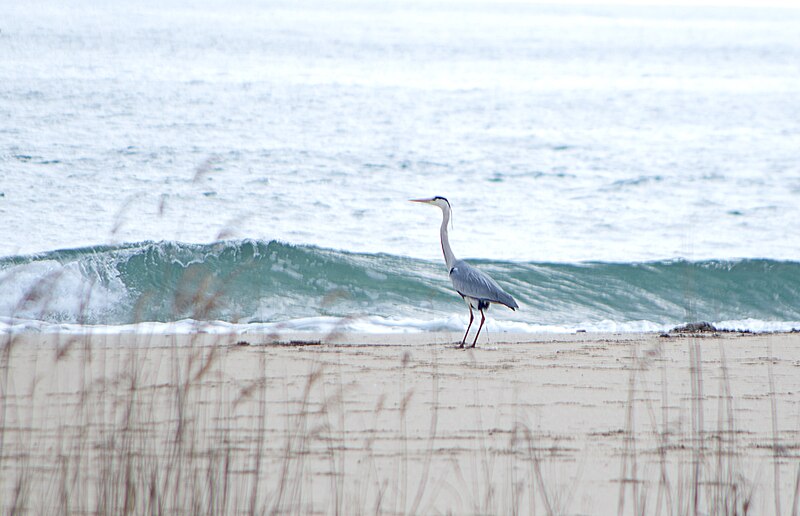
point(263, 284)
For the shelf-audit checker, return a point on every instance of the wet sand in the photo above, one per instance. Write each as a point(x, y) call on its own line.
point(353, 423)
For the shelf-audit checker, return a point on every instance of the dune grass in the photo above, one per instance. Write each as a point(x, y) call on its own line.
point(96, 425)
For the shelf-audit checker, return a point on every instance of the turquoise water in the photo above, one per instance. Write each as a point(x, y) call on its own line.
point(251, 282)
point(614, 167)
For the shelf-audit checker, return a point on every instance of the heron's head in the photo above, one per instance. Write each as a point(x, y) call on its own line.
point(441, 202)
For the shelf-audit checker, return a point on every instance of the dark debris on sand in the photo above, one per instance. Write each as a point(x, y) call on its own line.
point(706, 328)
point(695, 327)
point(291, 343)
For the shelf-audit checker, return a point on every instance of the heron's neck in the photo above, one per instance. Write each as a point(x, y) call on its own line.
point(449, 258)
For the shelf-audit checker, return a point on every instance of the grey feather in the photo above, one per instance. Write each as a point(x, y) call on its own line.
point(471, 282)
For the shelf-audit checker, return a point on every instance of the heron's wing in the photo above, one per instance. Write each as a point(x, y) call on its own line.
point(471, 282)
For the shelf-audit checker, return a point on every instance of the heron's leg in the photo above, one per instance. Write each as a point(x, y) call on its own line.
point(471, 317)
point(483, 318)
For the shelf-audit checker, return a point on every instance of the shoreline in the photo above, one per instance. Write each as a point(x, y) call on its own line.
point(578, 423)
point(355, 338)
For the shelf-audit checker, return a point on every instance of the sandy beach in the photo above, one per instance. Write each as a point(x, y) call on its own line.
point(400, 424)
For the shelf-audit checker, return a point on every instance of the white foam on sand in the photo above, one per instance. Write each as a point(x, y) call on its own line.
point(369, 325)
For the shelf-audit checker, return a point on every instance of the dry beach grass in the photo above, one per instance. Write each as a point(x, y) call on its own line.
point(399, 424)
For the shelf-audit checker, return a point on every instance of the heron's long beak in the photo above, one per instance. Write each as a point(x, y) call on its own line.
point(421, 200)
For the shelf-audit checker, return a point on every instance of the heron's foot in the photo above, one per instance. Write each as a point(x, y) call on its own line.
point(473, 345)
point(460, 346)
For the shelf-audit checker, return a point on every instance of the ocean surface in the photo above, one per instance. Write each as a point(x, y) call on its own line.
point(246, 165)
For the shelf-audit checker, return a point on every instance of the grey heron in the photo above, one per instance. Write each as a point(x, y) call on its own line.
point(475, 287)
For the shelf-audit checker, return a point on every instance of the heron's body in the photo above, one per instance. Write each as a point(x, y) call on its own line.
point(476, 287)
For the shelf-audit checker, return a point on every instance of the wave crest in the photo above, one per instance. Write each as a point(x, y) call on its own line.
point(251, 281)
